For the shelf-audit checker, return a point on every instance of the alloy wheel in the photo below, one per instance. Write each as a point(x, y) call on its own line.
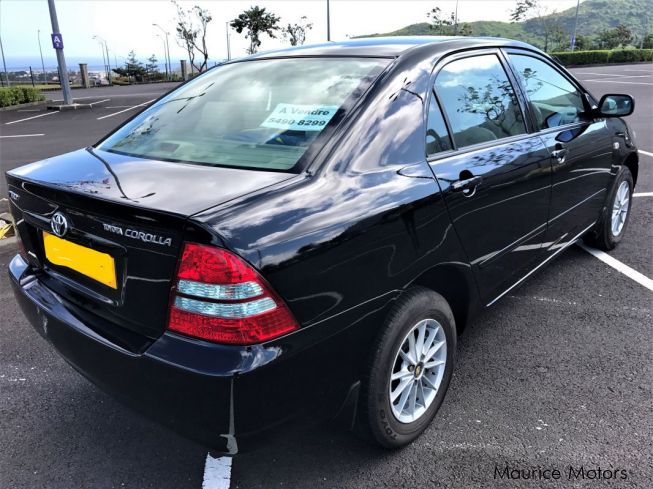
point(417, 370)
point(620, 208)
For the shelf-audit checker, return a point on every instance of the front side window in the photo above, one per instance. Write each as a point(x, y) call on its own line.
point(553, 99)
point(260, 114)
point(479, 100)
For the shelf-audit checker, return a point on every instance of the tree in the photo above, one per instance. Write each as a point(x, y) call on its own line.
point(133, 68)
point(191, 34)
point(439, 23)
point(296, 33)
point(152, 67)
point(522, 8)
point(613, 38)
point(647, 42)
point(256, 21)
point(465, 29)
point(558, 36)
point(582, 43)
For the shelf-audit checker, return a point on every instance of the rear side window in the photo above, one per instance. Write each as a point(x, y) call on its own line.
point(479, 100)
point(261, 114)
point(553, 99)
point(437, 136)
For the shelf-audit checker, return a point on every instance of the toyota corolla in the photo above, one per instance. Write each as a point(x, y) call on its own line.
point(305, 233)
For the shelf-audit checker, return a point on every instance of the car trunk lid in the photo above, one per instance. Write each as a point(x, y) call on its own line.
point(123, 213)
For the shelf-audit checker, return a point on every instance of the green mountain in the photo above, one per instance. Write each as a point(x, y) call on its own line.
point(594, 17)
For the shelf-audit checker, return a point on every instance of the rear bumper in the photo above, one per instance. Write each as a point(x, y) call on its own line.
point(225, 397)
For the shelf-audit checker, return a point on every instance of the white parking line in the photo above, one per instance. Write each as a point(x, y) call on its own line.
point(99, 102)
point(643, 194)
point(645, 153)
point(125, 110)
point(617, 81)
point(22, 136)
point(631, 273)
point(217, 473)
point(28, 118)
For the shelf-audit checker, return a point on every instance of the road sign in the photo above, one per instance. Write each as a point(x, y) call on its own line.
point(57, 41)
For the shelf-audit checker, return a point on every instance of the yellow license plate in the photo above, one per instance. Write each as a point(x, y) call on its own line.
point(94, 264)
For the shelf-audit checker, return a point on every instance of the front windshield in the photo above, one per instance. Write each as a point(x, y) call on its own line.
point(260, 114)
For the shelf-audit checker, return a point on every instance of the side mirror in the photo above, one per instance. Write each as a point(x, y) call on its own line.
point(616, 105)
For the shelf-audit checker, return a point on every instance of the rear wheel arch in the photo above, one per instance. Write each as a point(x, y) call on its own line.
point(456, 285)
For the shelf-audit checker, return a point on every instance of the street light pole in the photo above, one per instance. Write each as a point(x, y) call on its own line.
point(4, 63)
point(228, 42)
point(167, 53)
point(573, 39)
point(104, 59)
point(328, 22)
point(165, 56)
point(105, 46)
point(61, 60)
point(41, 51)
point(455, 25)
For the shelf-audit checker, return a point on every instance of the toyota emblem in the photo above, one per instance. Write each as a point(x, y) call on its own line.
point(59, 224)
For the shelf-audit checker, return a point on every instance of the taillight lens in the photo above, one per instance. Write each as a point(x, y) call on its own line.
point(219, 297)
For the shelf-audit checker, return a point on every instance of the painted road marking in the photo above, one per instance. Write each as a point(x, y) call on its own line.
point(643, 194)
point(631, 273)
point(99, 102)
point(22, 136)
point(125, 110)
point(617, 81)
point(217, 473)
point(645, 153)
point(28, 118)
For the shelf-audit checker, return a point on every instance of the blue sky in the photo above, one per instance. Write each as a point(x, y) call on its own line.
point(127, 24)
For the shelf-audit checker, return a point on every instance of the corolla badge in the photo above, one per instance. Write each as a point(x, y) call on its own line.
point(59, 224)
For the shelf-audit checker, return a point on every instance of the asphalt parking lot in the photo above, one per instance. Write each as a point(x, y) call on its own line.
point(557, 374)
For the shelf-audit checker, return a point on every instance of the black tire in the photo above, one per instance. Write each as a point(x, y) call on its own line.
point(603, 237)
point(413, 306)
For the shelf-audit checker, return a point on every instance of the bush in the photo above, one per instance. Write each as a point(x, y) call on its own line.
point(19, 95)
point(579, 58)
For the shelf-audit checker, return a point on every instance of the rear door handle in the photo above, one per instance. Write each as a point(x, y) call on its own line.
point(467, 184)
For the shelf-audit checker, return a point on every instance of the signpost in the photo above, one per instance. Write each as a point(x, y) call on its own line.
point(57, 44)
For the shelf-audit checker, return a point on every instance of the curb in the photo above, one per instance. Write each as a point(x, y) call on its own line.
point(28, 104)
point(609, 64)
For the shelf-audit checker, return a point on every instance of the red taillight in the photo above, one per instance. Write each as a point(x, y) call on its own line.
point(219, 297)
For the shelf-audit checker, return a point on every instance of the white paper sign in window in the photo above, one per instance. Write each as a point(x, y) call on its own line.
point(293, 117)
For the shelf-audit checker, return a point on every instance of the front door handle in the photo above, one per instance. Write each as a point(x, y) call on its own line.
point(559, 154)
point(466, 184)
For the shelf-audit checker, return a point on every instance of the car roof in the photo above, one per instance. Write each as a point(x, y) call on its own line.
point(393, 46)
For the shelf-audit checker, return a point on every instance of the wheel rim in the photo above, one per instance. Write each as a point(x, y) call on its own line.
point(417, 370)
point(620, 208)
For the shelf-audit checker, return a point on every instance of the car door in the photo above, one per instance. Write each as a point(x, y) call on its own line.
point(494, 174)
point(580, 146)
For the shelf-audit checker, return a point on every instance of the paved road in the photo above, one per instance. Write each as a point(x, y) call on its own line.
point(557, 374)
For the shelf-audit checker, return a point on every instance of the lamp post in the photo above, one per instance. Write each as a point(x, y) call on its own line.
point(104, 59)
point(165, 56)
point(167, 46)
point(328, 22)
point(573, 38)
point(4, 64)
point(41, 51)
point(455, 24)
point(228, 41)
point(57, 40)
point(107, 66)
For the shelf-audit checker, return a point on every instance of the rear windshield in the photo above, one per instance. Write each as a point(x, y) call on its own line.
point(262, 114)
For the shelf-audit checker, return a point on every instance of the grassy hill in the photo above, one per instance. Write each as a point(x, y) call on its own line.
point(595, 16)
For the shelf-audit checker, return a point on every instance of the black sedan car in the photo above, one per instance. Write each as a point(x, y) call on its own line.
point(304, 233)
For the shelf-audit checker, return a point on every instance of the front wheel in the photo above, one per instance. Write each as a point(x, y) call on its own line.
point(614, 221)
point(410, 368)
